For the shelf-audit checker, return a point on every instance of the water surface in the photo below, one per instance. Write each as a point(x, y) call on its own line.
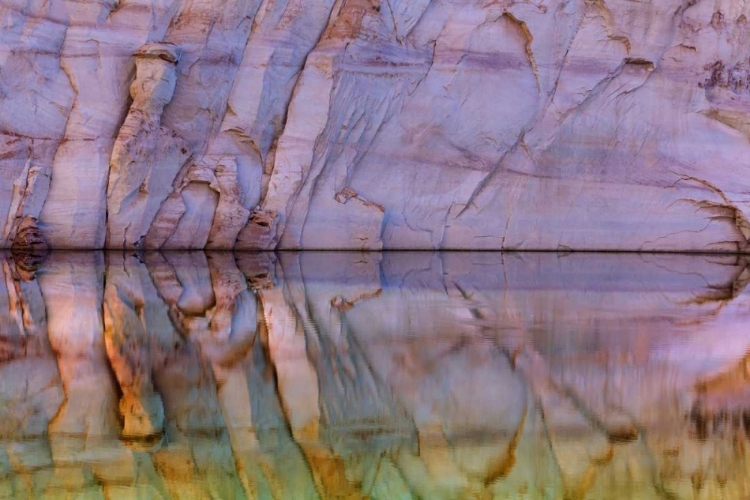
point(383, 376)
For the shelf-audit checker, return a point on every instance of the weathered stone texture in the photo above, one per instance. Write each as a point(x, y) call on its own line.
point(377, 124)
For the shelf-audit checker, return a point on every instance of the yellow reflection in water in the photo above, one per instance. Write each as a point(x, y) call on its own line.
point(384, 376)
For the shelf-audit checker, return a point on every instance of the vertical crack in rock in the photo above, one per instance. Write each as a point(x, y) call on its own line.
point(231, 216)
point(29, 192)
point(267, 222)
point(350, 132)
point(393, 20)
point(200, 202)
point(212, 44)
point(36, 97)
point(258, 100)
point(95, 55)
point(274, 117)
point(528, 47)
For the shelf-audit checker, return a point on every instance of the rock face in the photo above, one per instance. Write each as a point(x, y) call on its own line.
point(146, 156)
point(369, 124)
point(394, 375)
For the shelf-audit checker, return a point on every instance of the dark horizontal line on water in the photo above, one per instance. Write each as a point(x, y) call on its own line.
point(388, 250)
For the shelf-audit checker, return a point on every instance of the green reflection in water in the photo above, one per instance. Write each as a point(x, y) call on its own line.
point(384, 376)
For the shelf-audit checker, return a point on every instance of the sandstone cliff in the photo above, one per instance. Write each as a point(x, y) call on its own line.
point(503, 124)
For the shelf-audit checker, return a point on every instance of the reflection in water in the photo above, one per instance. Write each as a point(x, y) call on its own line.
point(386, 376)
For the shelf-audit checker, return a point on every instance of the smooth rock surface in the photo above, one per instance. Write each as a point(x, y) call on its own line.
point(376, 124)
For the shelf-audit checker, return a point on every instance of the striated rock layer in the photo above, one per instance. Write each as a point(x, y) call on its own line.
point(394, 375)
point(376, 124)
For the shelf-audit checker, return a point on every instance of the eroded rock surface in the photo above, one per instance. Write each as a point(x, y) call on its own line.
point(377, 124)
point(146, 156)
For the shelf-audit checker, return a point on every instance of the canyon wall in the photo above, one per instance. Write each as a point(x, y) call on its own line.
point(397, 375)
point(375, 124)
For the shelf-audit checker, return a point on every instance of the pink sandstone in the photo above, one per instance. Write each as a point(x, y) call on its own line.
point(376, 124)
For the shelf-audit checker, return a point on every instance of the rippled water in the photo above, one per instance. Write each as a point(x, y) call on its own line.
point(384, 376)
